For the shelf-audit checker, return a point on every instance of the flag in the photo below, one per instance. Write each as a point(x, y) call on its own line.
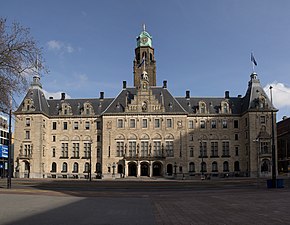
point(253, 60)
point(143, 60)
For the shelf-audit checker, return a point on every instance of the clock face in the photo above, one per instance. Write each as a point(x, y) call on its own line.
point(144, 40)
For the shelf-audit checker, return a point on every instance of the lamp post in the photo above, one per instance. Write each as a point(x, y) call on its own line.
point(274, 179)
point(258, 159)
point(114, 166)
point(201, 154)
point(90, 165)
point(175, 168)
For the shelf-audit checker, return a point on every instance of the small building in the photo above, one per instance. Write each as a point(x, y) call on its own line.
point(283, 148)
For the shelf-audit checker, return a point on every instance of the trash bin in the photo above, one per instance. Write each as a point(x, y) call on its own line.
point(269, 184)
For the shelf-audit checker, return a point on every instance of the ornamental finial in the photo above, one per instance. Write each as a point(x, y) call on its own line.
point(144, 27)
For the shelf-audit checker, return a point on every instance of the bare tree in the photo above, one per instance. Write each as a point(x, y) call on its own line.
point(20, 59)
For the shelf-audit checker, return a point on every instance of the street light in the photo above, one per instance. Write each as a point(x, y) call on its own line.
point(258, 158)
point(90, 165)
point(175, 168)
point(114, 166)
point(274, 179)
point(202, 165)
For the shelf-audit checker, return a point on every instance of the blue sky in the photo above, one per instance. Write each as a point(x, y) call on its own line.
point(203, 46)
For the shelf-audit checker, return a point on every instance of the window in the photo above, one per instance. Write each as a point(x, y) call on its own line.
point(202, 108)
point(27, 134)
point(53, 167)
point(120, 148)
point(203, 167)
point(132, 148)
point(76, 168)
point(53, 152)
point(64, 167)
point(169, 148)
point(87, 125)
point(98, 152)
point(191, 152)
point(190, 124)
point(98, 138)
point(226, 148)
point(27, 122)
point(132, 123)
point(169, 123)
point(87, 150)
point(76, 150)
point(65, 125)
point(190, 137)
point(120, 123)
point(76, 125)
point(144, 148)
point(265, 148)
point(144, 123)
point(54, 125)
point(236, 124)
point(214, 149)
point(157, 123)
point(27, 150)
point(236, 137)
point(98, 125)
point(263, 119)
point(64, 150)
point(53, 138)
point(191, 167)
point(246, 121)
point(237, 166)
point(213, 124)
point(157, 148)
point(202, 124)
point(87, 167)
point(214, 167)
point(225, 124)
point(203, 149)
point(237, 151)
point(226, 166)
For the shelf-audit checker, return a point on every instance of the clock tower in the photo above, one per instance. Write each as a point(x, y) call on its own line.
point(144, 59)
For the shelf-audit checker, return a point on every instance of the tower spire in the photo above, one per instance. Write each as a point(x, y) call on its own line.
point(144, 27)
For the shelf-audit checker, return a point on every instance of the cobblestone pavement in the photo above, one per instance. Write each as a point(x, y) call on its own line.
point(148, 202)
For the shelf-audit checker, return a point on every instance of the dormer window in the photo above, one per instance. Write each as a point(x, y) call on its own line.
point(225, 107)
point(202, 107)
point(262, 102)
point(88, 109)
point(28, 105)
point(65, 109)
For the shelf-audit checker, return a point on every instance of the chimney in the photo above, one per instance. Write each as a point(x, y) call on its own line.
point(227, 94)
point(187, 95)
point(124, 84)
point(50, 97)
point(62, 96)
point(165, 84)
point(101, 95)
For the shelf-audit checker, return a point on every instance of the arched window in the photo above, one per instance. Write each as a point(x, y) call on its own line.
point(191, 167)
point(202, 107)
point(53, 167)
point(76, 168)
point(226, 166)
point(214, 167)
point(151, 57)
point(64, 167)
point(144, 54)
point(87, 167)
point(265, 167)
point(237, 166)
point(203, 167)
point(98, 168)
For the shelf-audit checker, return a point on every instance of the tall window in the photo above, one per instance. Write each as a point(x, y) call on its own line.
point(76, 168)
point(203, 149)
point(169, 148)
point(65, 125)
point(120, 123)
point(202, 124)
point(144, 123)
point(236, 124)
point(226, 148)
point(263, 119)
point(191, 167)
point(214, 149)
point(225, 124)
point(64, 150)
point(27, 134)
point(87, 125)
point(54, 125)
point(169, 123)
point(76, 125)
point(157, 148)
point(53, 152)
point(98, 125)
point(64, 167)
point(213, 124)
point(87, 150)
point(76, 150)
point(27, 122)
point(191, 152)
point(132, 148)
point(226, 166)
point(132, 123)
point(53, 167)
point(87, 167)
point(157, 123)
point(144, 148)
point(27, 150)
point(265, 147)
point(190, 124)
point(214, 167)
point(120, 148)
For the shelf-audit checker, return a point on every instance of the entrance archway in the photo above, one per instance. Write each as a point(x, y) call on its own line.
point(132, 169)
point(144, 169)
point(157, 168)
point(26, 169)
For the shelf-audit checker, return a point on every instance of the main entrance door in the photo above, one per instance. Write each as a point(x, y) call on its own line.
point(132, 169)
point(144, 169)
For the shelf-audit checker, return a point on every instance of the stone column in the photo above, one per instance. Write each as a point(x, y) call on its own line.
point(126, 168)
point(151, 168)
point(138, 168)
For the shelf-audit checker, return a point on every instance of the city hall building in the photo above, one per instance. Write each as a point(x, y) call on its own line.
point(144, 131)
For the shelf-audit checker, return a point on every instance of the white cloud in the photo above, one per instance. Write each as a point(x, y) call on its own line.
point(60, 46)
point(55, 95)
point(280, 94)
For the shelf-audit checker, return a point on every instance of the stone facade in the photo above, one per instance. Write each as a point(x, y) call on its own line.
point(144, 131)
